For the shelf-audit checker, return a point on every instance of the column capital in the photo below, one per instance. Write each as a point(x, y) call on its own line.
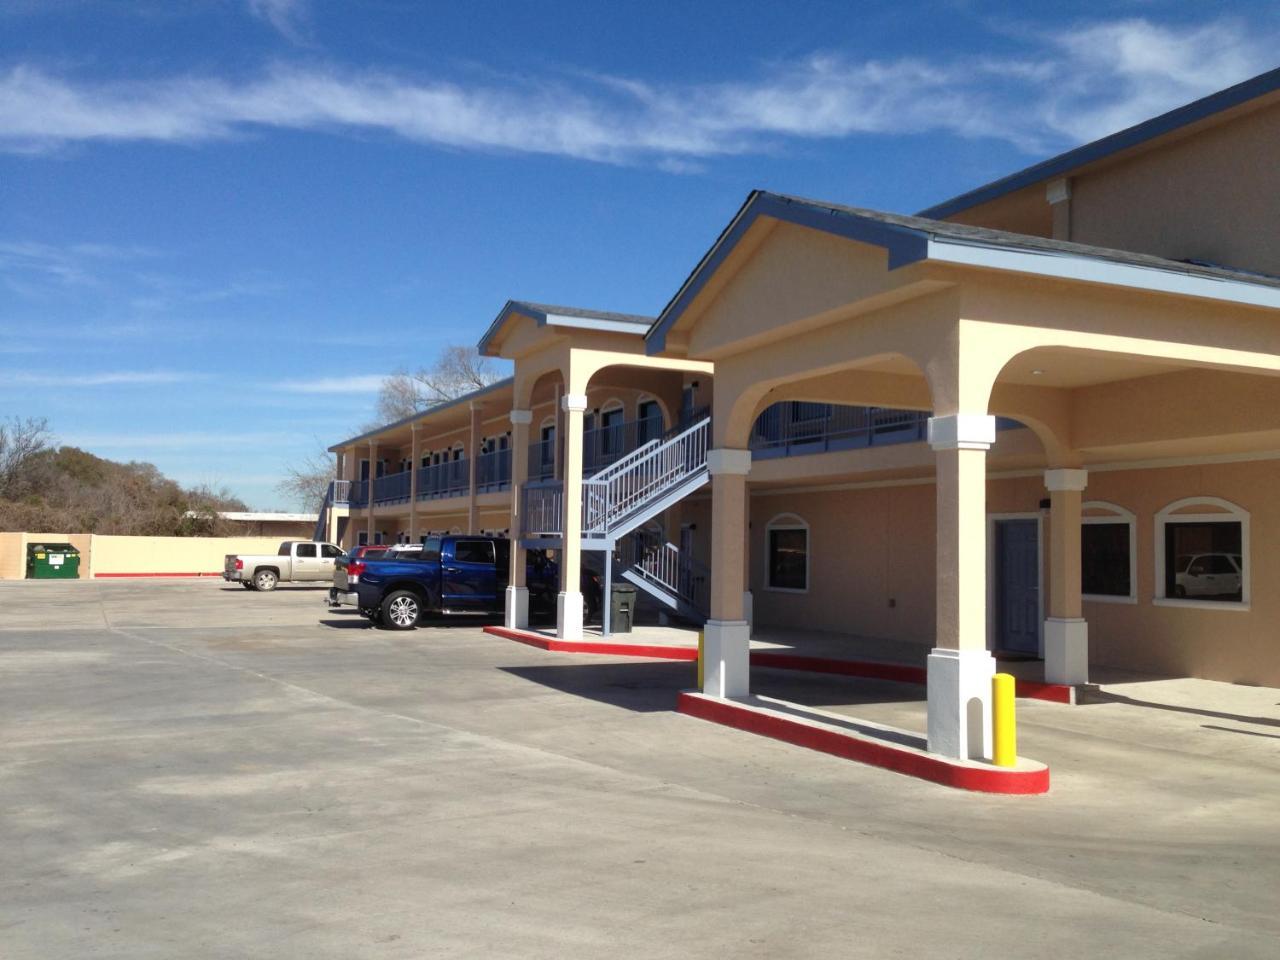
point(1059, 480)
point(962, 431)
point(574, 402)
point(476, 405)
point(521, 416)
point(725, 460)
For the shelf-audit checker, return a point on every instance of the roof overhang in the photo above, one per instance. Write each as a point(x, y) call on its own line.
point(569, 318)
point(423, 415)
point(912, 244)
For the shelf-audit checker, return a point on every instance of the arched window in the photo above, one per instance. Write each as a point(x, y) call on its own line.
point(787, 554)
point(1202, 554)
point(1108, 553)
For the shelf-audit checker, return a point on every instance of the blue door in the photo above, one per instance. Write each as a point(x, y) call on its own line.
point(469, 576)
point(1017, 586)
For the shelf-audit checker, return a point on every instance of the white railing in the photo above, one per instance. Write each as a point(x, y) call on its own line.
point(339, 491)
point(543, 503)
point(641, 477)
point(663, 565)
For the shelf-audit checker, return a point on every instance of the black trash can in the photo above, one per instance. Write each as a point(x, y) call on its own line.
point(622, 608)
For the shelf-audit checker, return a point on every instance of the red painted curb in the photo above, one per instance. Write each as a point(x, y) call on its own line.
point(649, 651)
point(108, 576)
point(895, 672)
point(900, 760)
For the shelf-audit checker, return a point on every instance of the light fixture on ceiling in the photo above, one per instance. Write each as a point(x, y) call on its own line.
point(1037, 373)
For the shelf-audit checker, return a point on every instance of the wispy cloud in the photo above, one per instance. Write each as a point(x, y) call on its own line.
point(361, 383)
point(118, 378)
point(72, 264)
point(289, 17)
point(1076, 84)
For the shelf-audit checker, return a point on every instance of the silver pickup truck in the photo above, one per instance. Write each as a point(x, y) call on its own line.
point(296, 561)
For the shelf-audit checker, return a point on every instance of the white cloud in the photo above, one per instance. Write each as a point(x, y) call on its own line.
point(289, 17)
point(119, 378)
point(360, 383)
point(1078, 84)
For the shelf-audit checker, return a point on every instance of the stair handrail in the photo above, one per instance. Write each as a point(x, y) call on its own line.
point(613, 494)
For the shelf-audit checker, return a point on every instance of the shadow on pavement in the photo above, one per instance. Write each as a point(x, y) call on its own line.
point(646, 687)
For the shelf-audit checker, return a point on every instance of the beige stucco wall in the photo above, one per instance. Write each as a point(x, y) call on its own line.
point(872, 545)
point(1206, 197)
point(104, 556)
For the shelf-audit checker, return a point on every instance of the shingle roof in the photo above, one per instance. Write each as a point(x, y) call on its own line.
point(985, 236)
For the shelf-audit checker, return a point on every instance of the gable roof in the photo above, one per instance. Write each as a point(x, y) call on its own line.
point(911, 239)
point(561, 316)
point(1126, 139)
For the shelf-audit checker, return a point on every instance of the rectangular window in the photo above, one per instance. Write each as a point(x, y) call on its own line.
point(1105, 560)
point(329, 551)
point(788, 558)
point(473, 551)
point(307, 550)
point(649, 426)
point(1203, 560)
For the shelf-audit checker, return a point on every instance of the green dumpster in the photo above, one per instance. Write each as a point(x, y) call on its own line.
point(52, 561)
point(622, 608)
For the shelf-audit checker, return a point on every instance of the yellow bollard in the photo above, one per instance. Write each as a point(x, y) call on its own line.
point(1004, 727)
point(699, 661)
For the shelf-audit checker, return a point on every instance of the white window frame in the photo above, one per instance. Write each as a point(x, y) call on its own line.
point(1115, 514)
point(787, 521)
point(1232, 514)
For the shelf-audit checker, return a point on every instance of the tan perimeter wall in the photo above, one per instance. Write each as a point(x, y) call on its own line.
point(104, 556)
point(870, 546)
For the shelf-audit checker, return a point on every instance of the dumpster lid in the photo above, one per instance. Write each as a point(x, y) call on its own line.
point(52, 547)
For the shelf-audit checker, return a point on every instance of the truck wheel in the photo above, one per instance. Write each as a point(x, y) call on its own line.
point(265, 580)
point(400, 610)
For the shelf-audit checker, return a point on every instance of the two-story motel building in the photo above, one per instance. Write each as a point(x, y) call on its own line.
point(1042, 418)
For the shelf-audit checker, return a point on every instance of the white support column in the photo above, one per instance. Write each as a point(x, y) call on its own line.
point(960, 667)
point(569, 602)
point(517, 600)
point(1066, 632)
point(726, 644)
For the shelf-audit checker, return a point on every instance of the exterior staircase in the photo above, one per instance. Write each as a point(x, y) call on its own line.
point(626, 494)
point(675, 580)
point(337, 496)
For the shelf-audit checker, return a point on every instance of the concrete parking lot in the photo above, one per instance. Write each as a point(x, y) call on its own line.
point(191, 770)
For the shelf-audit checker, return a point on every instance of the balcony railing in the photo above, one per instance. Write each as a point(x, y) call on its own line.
point(452, 479)
point(392, 487)
point(359, 495)
point(543, 507)
point(493, 471)
point(339, 492)
point(604, 445)
point(794, 428)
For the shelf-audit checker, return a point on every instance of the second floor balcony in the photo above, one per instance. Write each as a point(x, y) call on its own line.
point(796, 428)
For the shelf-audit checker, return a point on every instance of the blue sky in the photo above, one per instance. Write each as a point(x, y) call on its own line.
point(221, 221)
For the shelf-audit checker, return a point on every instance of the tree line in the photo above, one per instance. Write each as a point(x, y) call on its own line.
point(50, 488)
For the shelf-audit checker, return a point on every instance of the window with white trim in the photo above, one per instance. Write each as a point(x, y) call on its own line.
point(1202, 553)
point(1108, 553)
point(787, 554)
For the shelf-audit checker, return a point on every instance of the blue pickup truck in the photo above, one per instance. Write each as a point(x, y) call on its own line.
point(453, 574)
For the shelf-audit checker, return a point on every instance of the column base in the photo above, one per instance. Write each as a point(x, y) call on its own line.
point(1066, 650)
point(517, 615)
point(726, 658)
point(959, 691)
point(569, 615)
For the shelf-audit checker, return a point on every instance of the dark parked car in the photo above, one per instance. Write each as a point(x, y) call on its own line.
point(452, 574)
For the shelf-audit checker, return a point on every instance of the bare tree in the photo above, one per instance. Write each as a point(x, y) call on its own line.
point(457, 371)
point(21, 441)
point(307, 481)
